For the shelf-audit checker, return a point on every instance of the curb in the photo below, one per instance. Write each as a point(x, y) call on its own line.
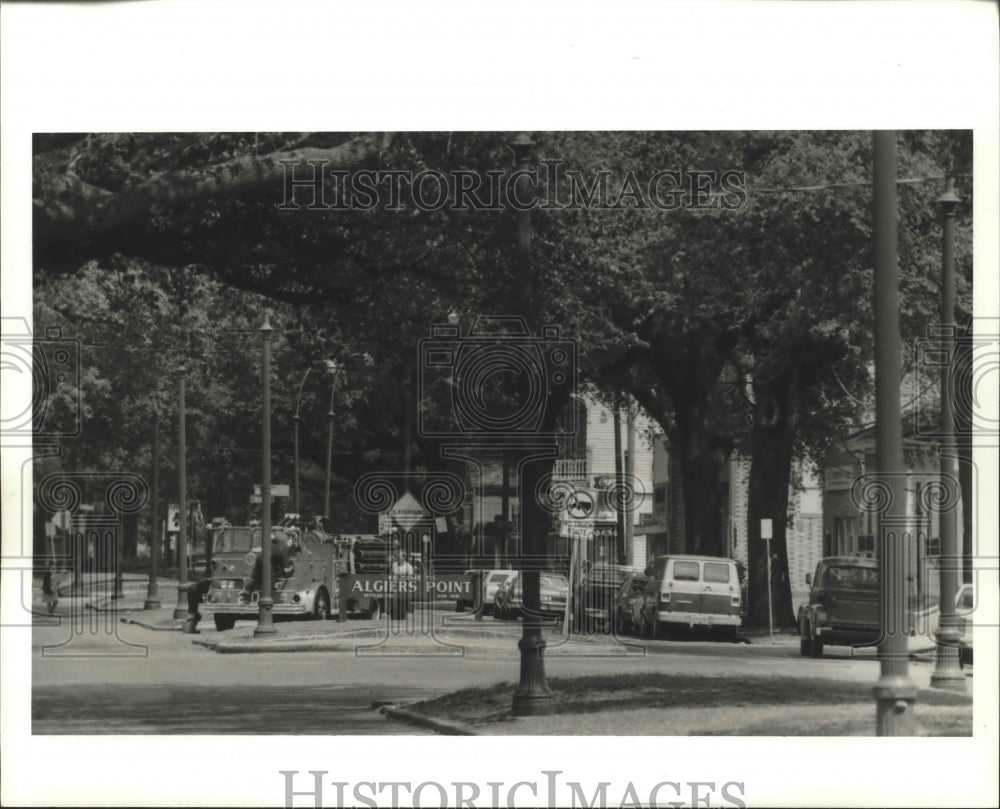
point(112, 608)
point(252, 646)
point(442, 726)
point(172, 625)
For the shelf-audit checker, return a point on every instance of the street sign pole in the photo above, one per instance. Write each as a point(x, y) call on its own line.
point(766, 532)
point(574, 580)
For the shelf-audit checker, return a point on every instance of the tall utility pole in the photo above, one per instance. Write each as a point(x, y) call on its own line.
point(895, 693)
point(181, 610)
point(947, 668)
point(265, 616)
point(152, 589)
point(618, 555)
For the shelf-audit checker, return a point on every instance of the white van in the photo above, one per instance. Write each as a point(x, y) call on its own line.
point(690, 591)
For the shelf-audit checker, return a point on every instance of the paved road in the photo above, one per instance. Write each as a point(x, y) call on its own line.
point(124, 679)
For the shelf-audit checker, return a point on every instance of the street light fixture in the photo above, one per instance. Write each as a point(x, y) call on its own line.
point(334, 369)
point(331, 368)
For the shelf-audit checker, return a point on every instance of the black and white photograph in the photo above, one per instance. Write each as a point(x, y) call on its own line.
point(567, 442)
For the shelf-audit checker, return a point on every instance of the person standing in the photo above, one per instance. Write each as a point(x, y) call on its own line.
point(401, 580)
point(50, 588)
point(196, 594)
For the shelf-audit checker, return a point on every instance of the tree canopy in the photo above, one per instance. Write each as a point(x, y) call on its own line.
point(730, 297)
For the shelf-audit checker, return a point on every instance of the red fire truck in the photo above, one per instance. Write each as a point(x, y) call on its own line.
point(310, 589)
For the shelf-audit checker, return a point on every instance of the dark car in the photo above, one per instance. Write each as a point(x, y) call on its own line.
point(843, 608)
point(628, 604)
point(594, 604)
point(965, 602)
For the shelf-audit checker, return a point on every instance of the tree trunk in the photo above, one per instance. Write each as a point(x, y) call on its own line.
point(701, 464)
point(701, 471)
point(771, 441)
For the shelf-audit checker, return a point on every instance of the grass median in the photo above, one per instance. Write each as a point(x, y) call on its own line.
point(656, 704)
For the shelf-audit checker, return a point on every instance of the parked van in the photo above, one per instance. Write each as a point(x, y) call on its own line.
point(690, 591)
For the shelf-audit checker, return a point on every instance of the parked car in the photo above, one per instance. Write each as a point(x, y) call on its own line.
point(506, 598)
point(628, 604)
point(691, 591)
point(843, 608)
point(553, 592)
point(965, 603)
point(508, 603)
point(594, 602)
point(491, 580)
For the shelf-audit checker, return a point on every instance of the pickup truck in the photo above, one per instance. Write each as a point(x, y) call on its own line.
point(843, 608)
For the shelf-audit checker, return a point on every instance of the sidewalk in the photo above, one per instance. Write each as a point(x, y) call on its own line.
point(96, 592)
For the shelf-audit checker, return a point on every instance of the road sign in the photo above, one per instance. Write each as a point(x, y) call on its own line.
point(173, 518)
point(277, 490)
point(408, 512)
point(580, 505)
point(61, 520)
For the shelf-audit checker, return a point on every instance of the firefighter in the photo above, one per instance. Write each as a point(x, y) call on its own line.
point(281, 566)
point(196, 594)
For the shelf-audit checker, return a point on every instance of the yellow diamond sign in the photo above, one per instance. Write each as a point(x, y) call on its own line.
point(408, 512)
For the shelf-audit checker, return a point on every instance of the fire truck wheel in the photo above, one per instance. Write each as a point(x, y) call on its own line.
point(321, 610)
point(374, 610)
point(224, 622)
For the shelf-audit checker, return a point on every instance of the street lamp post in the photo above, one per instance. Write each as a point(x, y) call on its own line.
point(265, 613)
point(331, 368)
point(947, 668)
point(295, 422)
point(329, 441)
point(532, 697)
point(152, 590)
point(181, 610)
point(895, 693)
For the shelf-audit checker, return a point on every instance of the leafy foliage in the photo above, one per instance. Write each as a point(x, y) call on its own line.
point(739, 318)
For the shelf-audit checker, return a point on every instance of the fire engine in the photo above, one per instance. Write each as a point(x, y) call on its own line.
point(318, 558)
